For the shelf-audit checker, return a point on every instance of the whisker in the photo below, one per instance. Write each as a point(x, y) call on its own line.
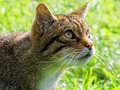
point(103, 64)
point(63, 63)
point(59, 60)
point(72, 59)
point(104, 56)
point(107, 61)
point(103, 53)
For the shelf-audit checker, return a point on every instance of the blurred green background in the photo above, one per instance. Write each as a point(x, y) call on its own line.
point(103, 71)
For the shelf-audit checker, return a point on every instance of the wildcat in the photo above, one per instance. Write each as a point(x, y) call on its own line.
point(34, 60)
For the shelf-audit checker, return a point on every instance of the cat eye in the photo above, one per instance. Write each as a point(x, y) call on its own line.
point(69, 34)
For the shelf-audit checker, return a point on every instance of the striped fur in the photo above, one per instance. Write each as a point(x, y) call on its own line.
point(35, 60)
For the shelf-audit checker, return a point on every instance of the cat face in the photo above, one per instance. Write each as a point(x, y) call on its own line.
point(77, 39)
point(66, 38)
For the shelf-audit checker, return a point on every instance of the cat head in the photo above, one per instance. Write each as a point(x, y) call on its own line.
point(62, 37)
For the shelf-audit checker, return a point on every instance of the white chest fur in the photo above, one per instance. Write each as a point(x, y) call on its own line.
point(49, 79)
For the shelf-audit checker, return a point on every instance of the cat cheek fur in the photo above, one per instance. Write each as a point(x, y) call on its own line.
point(35, 60)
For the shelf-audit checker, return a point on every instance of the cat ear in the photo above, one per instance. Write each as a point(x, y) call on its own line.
point(82, 12)
point(44, 15)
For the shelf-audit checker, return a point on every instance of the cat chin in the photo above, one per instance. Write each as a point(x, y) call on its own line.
point(93, 51)
point(87, 54)
point(78, 61)
point(82, 60)
point(83, 57)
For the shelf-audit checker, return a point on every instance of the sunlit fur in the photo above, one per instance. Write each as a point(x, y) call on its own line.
point(35, 60)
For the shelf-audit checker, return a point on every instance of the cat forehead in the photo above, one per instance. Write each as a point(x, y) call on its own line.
point(63, 17)
point(72, 21)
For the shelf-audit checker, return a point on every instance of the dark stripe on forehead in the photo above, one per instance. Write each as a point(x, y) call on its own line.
point(68, 17)
point(81, 26)
point(73, 20)
point(78, 27)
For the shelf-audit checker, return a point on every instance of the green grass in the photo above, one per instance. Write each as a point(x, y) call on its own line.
point(104, 20)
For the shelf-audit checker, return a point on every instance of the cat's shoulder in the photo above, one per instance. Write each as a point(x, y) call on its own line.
point(7, 39)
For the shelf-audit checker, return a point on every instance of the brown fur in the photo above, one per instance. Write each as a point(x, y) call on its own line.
point(22, 56)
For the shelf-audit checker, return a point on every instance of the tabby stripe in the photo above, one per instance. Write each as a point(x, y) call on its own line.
point(49, 43)
point(77, 24)
point(68, 18)
point(59, 48)
point(78, 27)
point(81, 25)
point(60, 41)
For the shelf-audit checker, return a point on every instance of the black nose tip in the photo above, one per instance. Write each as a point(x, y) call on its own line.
point(89, 45)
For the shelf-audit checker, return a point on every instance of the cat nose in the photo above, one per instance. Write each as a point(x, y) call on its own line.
point(89, 45)
point(87, 42)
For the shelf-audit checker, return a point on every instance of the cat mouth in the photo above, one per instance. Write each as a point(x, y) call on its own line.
point(85, 57)
point(82, 60)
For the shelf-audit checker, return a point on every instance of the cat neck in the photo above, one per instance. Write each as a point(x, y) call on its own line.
point(49, 78)
point(47, 74)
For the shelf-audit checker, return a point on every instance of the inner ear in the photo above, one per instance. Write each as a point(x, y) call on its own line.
point(44, 15)
point(82, 11)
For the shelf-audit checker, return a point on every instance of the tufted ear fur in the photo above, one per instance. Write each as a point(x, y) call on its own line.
point(82, 12)
point(44, 15)
point(44, 21)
